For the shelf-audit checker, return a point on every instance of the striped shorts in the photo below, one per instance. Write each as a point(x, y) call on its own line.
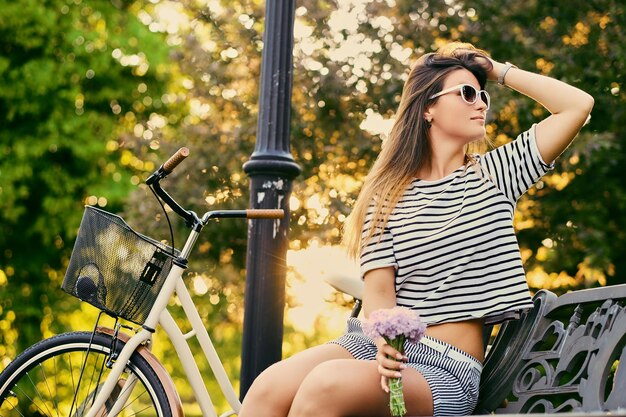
point(453, 375)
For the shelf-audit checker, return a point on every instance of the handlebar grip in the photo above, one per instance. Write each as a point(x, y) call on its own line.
point(175, 159)
point(265, 213)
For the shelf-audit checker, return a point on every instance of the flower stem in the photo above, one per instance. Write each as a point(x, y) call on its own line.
point(396, 396)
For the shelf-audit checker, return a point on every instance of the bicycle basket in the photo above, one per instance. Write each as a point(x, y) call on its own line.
point(116, 269)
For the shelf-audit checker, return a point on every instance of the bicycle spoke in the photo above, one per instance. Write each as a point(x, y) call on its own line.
point(56, 384)
point(38, 394)
point(13, 407)
point(80, 378)
point(45, 378)
point(30, 399)
point(93, 400)
point(71, 371)
point(131, 402)
point(90, 395)
point(90, 383)
point(143, 409)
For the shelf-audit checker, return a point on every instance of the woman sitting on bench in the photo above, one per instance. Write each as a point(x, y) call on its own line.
point(433, 229)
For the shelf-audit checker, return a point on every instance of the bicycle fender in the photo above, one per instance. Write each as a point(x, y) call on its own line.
point(170, 389)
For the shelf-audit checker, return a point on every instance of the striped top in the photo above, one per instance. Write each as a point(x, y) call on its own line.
point(452, 241)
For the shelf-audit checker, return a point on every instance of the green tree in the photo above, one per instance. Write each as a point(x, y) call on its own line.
point(574, 222)
point(75, 78)
point(353, 59)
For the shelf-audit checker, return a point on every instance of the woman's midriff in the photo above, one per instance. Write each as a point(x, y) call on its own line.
point(465, 335)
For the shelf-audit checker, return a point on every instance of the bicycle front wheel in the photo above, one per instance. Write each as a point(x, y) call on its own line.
point(60, 377)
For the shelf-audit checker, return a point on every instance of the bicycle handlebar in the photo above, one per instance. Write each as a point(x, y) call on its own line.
point(191, 218)
point(244, 214)
point(265, 213)
point(175, 159)
point(167, 167)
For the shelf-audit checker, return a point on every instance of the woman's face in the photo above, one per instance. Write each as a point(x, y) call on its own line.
point(454, 118)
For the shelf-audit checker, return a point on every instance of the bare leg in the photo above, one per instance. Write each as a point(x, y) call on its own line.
point(272, 392)
point(352, 388)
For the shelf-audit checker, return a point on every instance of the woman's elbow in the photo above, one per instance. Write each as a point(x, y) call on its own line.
point(587, 103)
point(587, 107)
point(581, 108)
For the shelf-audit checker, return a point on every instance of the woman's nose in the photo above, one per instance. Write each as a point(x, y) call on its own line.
point(482, 105)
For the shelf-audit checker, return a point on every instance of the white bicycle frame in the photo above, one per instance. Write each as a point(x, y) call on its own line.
point(160, 315)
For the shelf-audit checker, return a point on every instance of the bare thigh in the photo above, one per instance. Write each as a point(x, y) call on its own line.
point(272, 392)
point(352, 388)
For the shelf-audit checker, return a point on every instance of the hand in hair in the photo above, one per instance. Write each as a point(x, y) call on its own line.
point(493, 67)
point(456, 49)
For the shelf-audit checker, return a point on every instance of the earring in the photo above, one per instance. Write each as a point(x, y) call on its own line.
point(429, 122)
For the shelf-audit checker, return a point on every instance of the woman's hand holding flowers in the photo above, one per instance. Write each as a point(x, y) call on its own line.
point(390, 328)
point(387, 367)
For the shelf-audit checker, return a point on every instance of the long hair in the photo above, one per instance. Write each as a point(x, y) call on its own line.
point(407, 148)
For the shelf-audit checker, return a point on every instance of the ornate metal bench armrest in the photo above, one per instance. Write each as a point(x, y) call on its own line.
point(561, 356)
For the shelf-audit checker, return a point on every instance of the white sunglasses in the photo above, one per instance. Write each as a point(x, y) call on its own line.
point(469, 94)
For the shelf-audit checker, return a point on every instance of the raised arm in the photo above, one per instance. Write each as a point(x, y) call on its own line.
point(570, 107)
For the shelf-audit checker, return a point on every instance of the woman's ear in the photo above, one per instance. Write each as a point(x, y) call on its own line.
point(428, 116)
point(428, 119)
point(429, 111)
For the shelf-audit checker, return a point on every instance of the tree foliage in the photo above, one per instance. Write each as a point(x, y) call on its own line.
point(350, 61)
point(74, 76)
point(573, 227)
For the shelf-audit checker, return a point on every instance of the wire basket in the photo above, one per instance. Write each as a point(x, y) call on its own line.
point(115, 268)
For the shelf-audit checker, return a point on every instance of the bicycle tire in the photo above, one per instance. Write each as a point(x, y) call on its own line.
point(57, 377)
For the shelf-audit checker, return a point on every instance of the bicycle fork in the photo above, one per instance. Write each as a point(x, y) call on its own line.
point(126, 390)
point(114, 377)
point(145, 335)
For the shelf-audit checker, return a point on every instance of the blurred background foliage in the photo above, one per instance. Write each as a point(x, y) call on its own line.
point(94, 94)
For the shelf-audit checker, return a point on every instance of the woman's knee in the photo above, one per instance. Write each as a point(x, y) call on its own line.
point(268, 395)
point(324, 377)
point(320, 386)
point(276, 387)
point(264, 389)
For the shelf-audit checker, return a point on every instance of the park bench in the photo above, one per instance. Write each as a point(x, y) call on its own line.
point(561, 356)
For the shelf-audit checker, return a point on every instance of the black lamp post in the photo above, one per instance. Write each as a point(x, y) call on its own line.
point(271, 169)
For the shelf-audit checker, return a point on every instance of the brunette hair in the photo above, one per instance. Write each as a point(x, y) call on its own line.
point(407, 147)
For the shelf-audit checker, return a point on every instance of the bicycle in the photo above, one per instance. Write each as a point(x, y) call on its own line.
point(129, 276)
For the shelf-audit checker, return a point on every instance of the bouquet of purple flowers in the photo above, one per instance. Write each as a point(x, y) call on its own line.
point(395, 325)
